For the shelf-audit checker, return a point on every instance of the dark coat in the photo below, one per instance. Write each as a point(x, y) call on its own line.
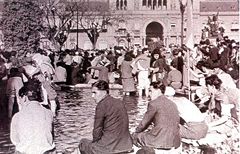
point(103, 72)
point(213, 54)
point(179, 63)
point(163, 113)
point(111, 127)
point(224, 59)
point(161, 64)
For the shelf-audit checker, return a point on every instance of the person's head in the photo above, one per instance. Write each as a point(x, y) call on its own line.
point(23, 95)
point(127, 57)
point(173, 65)
point(145, 51)
point(99, 90)
point(14, 72)
point(31, 91)
point(213, 83)
point(60, 64)
point(156, 54)
point(204, 67)
point(145, 150)
point(200, 65)
point(175, 52)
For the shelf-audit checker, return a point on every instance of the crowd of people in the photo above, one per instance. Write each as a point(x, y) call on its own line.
point(209, 72)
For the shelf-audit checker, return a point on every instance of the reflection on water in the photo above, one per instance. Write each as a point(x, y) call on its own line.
point(75, 119)
point(5, 144)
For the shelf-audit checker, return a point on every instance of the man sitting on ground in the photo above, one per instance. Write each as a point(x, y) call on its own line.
point(162, 112)
point(31, 127)
point(111, 124)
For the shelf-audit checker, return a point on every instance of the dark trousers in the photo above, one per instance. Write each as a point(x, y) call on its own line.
point(69, 74)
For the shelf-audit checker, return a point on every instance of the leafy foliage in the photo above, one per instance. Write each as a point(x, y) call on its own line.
point(21, 24)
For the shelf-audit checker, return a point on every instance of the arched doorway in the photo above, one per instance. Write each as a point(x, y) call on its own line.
point(154, 32)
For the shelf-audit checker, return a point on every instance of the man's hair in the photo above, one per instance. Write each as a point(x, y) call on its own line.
point(144, 50)
point(213, 80)
point(101, 85)
point(128, 57)
point(14, 72)
point(159, 85)
point(31, 89)
point(23, 91)
point(174, 64)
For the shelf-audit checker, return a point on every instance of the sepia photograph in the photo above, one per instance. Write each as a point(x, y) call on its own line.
point(119, 77)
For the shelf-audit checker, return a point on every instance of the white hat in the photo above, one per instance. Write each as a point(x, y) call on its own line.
point(169, 91)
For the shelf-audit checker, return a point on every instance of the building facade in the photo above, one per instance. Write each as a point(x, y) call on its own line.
point(156, 20)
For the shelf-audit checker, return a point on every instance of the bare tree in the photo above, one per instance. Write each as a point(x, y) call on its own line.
point(58, 16)
point(94, 17)
point(91, 17)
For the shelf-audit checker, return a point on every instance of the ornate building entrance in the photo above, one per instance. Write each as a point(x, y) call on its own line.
point(154, 32)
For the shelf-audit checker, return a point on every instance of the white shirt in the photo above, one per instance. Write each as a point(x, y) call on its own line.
point(30, 69)
point(31, 129)
point(227, 81)
point(60, 74)
point(187, 110)
point(77, 59)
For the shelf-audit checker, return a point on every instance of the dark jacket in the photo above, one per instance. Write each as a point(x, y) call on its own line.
point(161, 64)
point(224, 59)
point(163, 113)
point(111, 127)
point(103, 72)
point(213, 54)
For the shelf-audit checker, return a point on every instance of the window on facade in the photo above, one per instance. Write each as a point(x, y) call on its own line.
point(121, 4)
point(235, 27)
point(159, 2)
point(173, 4)
point(117, 4)
point(173, 27)
point(125, 4)
point(153, 4)
point(165, 2)
point(122, 25)
point(149, 3)
point(144, 2)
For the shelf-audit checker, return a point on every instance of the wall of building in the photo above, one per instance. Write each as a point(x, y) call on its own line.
point(137, 18)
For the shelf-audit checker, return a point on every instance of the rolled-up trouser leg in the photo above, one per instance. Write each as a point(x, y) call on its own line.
point(10, 106)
